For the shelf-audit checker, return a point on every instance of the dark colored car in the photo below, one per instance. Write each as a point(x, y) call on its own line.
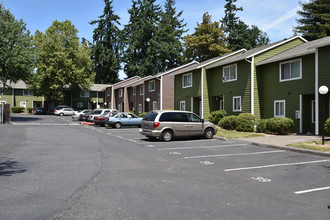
point(40, 111)
point(84, 116)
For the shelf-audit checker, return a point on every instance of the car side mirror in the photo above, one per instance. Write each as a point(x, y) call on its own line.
point(202, 120)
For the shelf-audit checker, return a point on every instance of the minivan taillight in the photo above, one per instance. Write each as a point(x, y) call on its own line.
point(156, 124)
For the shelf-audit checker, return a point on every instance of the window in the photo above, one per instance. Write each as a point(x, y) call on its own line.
point(22, 104)
point(187, 80)
point(313, 111)
point(290, 70)
point(140, 108)
point(279, 108)
point(229, 73)
point(134, 90)
point(27, 92)
point(84, 94)
point(2, 102)
point(222, 105)
point(120, 92)
point(141, 90)
point(183, 105)
point(193, 118)
point(152, 86)
point(167, 116)
point(154, 105)
point(80, 105)
point(237, 103)
point(108, 92)
point(1, 90)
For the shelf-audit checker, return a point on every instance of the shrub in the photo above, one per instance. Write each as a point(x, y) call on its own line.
point(17, 109)
point(261, 126)
point(280, 125)
point(216, 116)
point(29, 109)
point(142, 114)
point(327, 126)
point(245, 122)
point(228, 122)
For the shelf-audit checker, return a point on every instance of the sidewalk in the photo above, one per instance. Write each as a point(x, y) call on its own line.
point(280, 142)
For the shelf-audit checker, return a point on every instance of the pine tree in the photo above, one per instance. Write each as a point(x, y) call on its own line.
point(107, 46)
point(239, 34)
point(315, 21)
point(206, 42)
point(170, 36)
point(141, 55)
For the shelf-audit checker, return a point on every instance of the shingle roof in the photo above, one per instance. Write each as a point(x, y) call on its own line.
point(19, 85)
point(99, 87)
point(304, 49)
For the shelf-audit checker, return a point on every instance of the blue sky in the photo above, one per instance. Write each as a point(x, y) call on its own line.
point(276, 17)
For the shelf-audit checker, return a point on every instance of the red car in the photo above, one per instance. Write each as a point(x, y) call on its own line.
point(99, 120)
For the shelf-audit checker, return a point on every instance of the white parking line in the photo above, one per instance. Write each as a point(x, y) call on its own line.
point(240, 154)
point(277, 165)
point(202, 147)
point(312, 190)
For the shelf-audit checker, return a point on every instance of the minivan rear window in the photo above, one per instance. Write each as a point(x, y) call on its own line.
point(97, 112)
point(150, 116)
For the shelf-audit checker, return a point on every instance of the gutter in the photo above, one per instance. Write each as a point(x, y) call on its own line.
point(252, 83)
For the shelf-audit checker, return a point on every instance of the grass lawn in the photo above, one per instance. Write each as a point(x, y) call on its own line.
point(315, 145)
point(236, 134)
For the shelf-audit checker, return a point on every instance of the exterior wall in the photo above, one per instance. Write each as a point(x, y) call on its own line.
point(185, 94)
point(168, 92)
point(139, 100)
point(19, 97)
point(119, 100)
point(270, 88)
point(240, 87)
point(7, 96)
point(152, 95)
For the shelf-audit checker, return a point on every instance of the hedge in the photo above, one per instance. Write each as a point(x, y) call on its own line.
point(245, 122)
point(228, 122)
point(280, 125)
point(216, 116)
point(17, 109)
point(141, 115)
point(261, 126)
point(327, 126)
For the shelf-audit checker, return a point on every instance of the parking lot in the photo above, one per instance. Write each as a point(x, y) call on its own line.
point(195, 178)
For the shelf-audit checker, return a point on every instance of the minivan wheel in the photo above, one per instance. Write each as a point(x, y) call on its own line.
point(208, 134)
point(117, 125)
point(166, 135)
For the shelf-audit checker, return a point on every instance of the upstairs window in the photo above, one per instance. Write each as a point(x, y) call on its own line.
point(141, 90)
point(290, 70)
point(152, 86)
point(229, 73)
point(187, 80)
point(84, 94)
point(134, 90)
point(27, 92)
point(120, 92)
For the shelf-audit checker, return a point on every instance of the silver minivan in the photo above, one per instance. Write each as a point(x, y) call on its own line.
point(170, 123)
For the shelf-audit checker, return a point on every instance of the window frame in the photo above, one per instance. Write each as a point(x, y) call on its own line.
point(183, 84)
point(154, 83)
point(284, 111)
point(134, 90)
point(290, 61)
point(184, 104)
point(21, 102)
point(223, 73)
point(120, 92)
point(80, 104)
point(140, 108)
point(84, 94)
point(29, 92)
point(153, 105)
point(142, 90)
point(108, 92)
point(240, 103)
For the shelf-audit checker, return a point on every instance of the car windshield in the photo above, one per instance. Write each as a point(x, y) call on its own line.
point(97, 112)
point(150, 116)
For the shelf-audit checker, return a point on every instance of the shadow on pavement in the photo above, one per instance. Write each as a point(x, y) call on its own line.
point(10, 167)
point(22, 118)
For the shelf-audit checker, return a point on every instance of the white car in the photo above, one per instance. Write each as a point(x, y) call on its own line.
point(98, 112)
point(76, 115)
point(64, 111)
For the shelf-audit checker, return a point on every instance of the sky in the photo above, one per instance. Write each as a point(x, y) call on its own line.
point(275, 17)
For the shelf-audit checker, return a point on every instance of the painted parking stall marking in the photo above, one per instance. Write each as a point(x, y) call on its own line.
point(175, 153)
point(202, 147)
point(239, 154)
point(312, 190)
point(207, 162)
point(276, 165)
point(261, 179)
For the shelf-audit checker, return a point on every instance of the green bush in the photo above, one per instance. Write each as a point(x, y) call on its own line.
point(228, 122)
point(142, 114)
point(280, 125)
point(245, 122)
point(216, 116)
point(327, 126)
point(17, 109)
point(261, 126)
point(29, 109)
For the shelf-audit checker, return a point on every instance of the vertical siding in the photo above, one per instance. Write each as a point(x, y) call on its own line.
point(206, 100)
point(168, 91)
point(270, 88)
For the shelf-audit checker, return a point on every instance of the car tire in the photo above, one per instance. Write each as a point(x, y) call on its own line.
point(118, 125)
point(166, 136)
point(208, 133)
point(61, 114)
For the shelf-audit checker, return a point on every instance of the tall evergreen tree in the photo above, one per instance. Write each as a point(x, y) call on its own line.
point(141, 55)
point(206, 42)
point(239, 34)
point(170, 36)
point(17, 53)
point(315, 21)
point(107, 46)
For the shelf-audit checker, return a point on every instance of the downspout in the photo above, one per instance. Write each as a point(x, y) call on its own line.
point(97, 99)
point(202, 94)
point(112, 97)
point(252, 84)
point(316, 91)
point(161, 93)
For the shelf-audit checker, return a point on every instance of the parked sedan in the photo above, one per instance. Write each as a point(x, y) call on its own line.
point(64, 111)
point(99, 120)
point(124, 119)
point(76, 115)
point(40, 111)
